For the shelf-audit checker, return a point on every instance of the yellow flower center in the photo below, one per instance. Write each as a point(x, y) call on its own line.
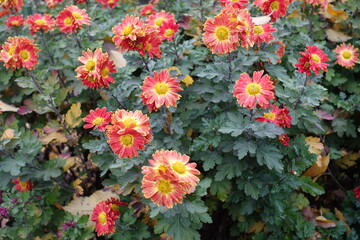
point(11, 50)
point(127, 30)
point(148, 12)
point(179, 167)
point(24, 54)
point(68, 21)
point(148, 47)
point(346, 54)
point(127, 140)
point(162, 168)
point(169, 32)
point(270, 115)
point(253, 89)
point(129, 121)
point(115, 207)
point(159, 21)
point(90, 65)
point(161, 88)
point(40, 22)
point(91, 79)
point(102, 218)
point(23, 184)
point(76, 15)
point(164, 186)
point(97, 121)
point(258, 30)
point(15, 22)
point(222, 33)
point(105, 72)
point(315, 58)
point(274, 6)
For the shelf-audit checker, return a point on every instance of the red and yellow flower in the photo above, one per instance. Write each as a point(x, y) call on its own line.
point(347, 55)
point(147, 10)
point(52, 3)
point(258, 90)
point(284, 139)
point(125, 142)
point(157, 19)
point(313, 60)
point(71, 19)
point(23, 186)
point(115, 205)
point(159, 90)
point(97, 119)
point(19, 52)
point(234, 3)
point(14, 21)
point(104, 218)
point(263, 33)
point(39, 22)
point(277, 8)
point(278, 116)
point(12, 5)
point(168, 30)
point(108, 3)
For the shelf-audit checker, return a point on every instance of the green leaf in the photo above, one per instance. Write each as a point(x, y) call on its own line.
point(244, 146)
point(221, 189)
point(269, 155)
point(202, 186)
point(96, 146)
point(252, 190)
point(235, 126)
point(311, 187)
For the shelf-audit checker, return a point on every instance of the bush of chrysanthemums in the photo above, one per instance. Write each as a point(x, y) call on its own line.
point(179, 119)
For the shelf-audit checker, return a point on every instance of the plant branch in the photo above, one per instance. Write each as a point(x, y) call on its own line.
point(146, 64)
point(298, 101)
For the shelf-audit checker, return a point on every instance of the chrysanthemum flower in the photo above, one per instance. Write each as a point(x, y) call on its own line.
point(258, 90)
point(71, 19)
point(19, 52)
point(115, 205)
point(40, 22)
point(168, 30)
point(23, 186)
point(104, 218)
point(221, 35)
point(357, 193)
point(245, 27)
point(159, 18)
point(263, 33)
point(12, 5)
point(134, 120)
point(278, 8)
point(313, 59)
point(147, 10)
point(162, 189)
point(347, 55)
point(14, 21)
point(52, 3)
point(96, 69)
point(322, 3)
point(108, 3)
point(125, 142)
point(161, 89)
point(280, 52)
point(234, 3)
point(97, 119)
point(151, 45)
point(278, 116)
point(284, 139)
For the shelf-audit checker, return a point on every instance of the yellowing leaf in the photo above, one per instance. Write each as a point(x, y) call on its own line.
point(319, 167)
point(79, 190)
point(321, 221)
point(85, 205)
point(9, 133)
point(336, 36)
point(70, 161)
point(53, 137)
point(7, 108)
point(339, 215)
point(335, 15)
point(73, 116)
point(257, 227)
point(348, 160)
point(315, 146)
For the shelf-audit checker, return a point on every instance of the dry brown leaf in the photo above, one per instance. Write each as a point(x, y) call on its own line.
point(336, 36)
point(70, 162)
point(4, 107)
point(73, 116)
point(335, 15)
point(85, 205)
point(76, 184)
point(348, 160)
point(257, 227)
point(319, 167)
point(294, 14)
point(53, 137)
point(9, 133)
point(315, 146)
point(115, 54)
point(321, 221)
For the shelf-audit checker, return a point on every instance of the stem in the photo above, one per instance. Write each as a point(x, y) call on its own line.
point(177, 58)
point(118, 102)
point(145, 63)
point(252, 113)
point(335, 180)
point(77, 41)
point(167, 125)
point(201, 11)
point(230, 67)
point(298, 101)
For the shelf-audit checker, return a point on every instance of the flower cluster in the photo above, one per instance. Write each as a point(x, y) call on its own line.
point(108, 3)
point(159, 90)
point(169, 178)
point(19, 52)
point(96, 69)
point(105, 214)
point(40, 22)
point(165, 23)
point(71, 19)
point(347, 55)
point(23, 186)
point(229, 29)
point(312, 60)
point(14, 21)
point(12, 5)
point(52, 3)
point(128, 133)
point(258, 90)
